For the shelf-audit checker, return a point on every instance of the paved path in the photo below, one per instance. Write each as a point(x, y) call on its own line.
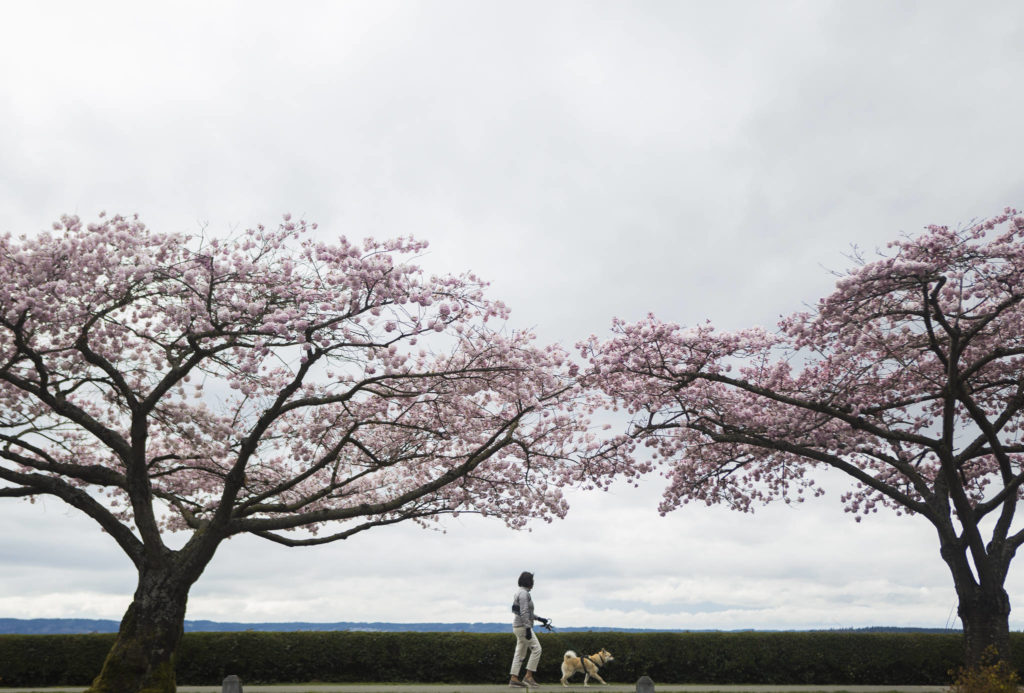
point(468, 688)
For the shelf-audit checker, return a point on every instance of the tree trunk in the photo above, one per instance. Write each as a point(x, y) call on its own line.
point(982, 602)
point(142, 658)
point(985, 615)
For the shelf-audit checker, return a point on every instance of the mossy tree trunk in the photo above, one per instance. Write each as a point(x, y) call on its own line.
point(142, 658)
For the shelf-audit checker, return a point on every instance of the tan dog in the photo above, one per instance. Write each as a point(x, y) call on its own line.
point(588, 665)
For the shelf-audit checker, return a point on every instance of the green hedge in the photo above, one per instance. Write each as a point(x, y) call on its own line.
point(825, 657)
point(52, 660)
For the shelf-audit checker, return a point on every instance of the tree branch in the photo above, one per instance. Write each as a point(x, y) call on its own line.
point(79, 499)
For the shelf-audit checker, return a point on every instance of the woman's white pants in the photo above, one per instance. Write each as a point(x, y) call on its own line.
point(521, 646)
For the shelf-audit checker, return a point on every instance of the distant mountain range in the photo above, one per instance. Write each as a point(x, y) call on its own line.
point(51, 626)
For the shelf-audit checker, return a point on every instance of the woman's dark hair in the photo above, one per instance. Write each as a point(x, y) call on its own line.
point(526, 580)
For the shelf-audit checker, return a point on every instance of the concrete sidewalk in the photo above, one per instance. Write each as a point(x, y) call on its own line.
point(503, 688)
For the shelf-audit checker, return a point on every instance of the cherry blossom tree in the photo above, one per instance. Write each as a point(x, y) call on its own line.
point(909, 379)
point(272, 385)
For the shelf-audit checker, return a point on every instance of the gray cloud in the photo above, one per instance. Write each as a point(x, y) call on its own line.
point(591, 159)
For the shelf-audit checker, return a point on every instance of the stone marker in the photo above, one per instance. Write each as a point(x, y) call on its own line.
point(232, 684)
point(645, 685)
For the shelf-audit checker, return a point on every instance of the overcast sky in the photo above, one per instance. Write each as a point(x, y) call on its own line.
point(701, 160)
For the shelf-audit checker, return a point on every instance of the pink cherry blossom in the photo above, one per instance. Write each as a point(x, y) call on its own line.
point(908, 379)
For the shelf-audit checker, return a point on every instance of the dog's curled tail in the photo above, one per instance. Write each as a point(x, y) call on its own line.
point(569, 653)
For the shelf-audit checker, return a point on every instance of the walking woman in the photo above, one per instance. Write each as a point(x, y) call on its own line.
point(522, 626)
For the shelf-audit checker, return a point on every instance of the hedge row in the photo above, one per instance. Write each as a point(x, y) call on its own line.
point(826, 657)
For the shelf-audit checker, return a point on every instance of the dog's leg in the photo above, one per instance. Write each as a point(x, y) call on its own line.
point(596, 676)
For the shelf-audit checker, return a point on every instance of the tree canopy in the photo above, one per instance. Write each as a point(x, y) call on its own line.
point(908, 378)
point(271, 384)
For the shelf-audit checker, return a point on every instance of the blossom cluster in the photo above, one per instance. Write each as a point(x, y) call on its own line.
point(907, 378)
